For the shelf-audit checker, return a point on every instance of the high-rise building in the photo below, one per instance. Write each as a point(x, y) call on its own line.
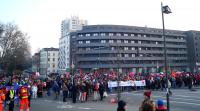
point(48, 61)
point(68, 25)
point(193, 43)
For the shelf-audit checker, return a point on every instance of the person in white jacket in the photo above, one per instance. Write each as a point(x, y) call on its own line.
point(34, 90)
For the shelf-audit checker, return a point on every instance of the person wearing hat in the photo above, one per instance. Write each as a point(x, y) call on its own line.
point(160, 105)
point(121, 106)
point(147, 99)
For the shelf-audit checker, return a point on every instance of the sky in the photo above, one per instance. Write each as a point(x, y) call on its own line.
point(41, 19)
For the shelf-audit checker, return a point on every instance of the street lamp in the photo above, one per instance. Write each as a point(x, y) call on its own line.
point(165, 10)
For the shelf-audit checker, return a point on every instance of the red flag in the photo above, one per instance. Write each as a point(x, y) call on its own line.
point(173, 74)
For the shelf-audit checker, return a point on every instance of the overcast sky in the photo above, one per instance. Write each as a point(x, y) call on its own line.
point(41, 19)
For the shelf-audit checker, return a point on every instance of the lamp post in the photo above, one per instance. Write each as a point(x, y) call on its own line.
point(165, 10)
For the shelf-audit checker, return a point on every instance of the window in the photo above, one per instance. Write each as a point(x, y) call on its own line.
point(80, 42)
point(139, 35)
point(48, 54)
point(48, 59)
point(125, 41)
point(53, 59)
point(140, 48)
point(53, 54)
point(132, 55)
point(87, 35)
point(133, 48)
point(125, 48)
point(87, 42)
point(132, 41)
point(80, 35)
point(111, 34)
point(112, 48)
point(87, 48)
point(53, 65)
point(156, 42)
point(118, 41)
point(125, 34)
point(103, 34)
point(103, 41)
point(139, 42)
point(111, 41)
point(132, 35)
point(125, 55)
point(145, 35)
point(95, 34)
point(118, 34)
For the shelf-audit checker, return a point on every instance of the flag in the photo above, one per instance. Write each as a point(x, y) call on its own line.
point(173, 74)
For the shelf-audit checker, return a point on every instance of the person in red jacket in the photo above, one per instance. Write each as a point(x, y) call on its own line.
point(2, 98)
point(23, 96)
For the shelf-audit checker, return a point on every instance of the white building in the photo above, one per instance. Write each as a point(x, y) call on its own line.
point(48, 61)
point(67, 26)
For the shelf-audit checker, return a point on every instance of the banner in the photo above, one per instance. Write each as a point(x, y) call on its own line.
point(127, 83)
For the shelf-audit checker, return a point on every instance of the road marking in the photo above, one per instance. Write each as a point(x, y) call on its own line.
point(186, 103)
point(65, 107)
point(187, 96)
point(84, 108)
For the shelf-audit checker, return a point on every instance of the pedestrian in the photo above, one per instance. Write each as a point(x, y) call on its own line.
point(30, 93)
point(65, 91)
point(147, 99)
point(11, 95)
point(56, 89)
point(148, 106)
point(23, 96)
point(2, 99)
point(34, 91)
point(121, 106)
point(101, 90)
point(160, 105)
point(95, 90)
point(74, 93)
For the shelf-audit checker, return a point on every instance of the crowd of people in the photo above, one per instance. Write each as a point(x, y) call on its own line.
point(83, 87)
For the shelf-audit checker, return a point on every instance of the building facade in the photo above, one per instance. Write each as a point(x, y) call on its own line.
point(193, 42)
point(48, 61)
point(36, 62)
point(67, 26)
point(128, 48)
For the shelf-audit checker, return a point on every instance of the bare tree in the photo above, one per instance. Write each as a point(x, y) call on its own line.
point(15, 47)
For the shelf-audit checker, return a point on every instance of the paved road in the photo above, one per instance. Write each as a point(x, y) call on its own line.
point(181, 100)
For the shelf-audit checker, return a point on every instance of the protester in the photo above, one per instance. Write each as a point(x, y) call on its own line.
point(34, 91)
point(101, 90)
point(148, 106)
point(23, 95)
point(11, 95)
point(147, 99)
point(2, 99)
point(74, 93)
point(65, 92)
point(95, 90)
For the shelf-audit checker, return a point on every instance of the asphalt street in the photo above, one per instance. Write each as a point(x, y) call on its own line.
point(181, 100)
